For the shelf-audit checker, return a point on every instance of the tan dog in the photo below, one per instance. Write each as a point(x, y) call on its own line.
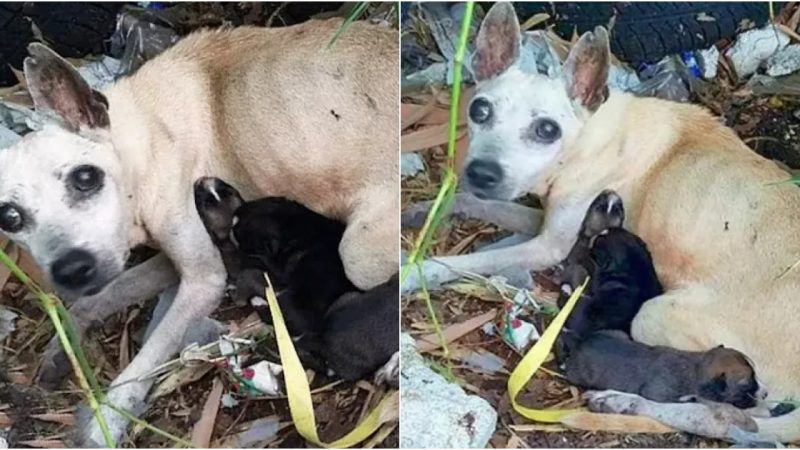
point(275, 111)
point(724, 241)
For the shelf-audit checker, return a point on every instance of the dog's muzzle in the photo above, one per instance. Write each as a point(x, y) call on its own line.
point(484, 178)
point(78, 272)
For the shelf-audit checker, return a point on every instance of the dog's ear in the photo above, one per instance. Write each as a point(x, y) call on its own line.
point(498, 42)
point(586, 69)
point(55, 85)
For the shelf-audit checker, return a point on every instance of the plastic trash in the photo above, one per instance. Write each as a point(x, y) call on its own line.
point(754, 47)
point(709, 60)
point(784, 62)
point(485, 360)
point(8, 137)
point(444, 20)
point(140, 35)
point(264, 377)
point(411, 164)
point(669, 79)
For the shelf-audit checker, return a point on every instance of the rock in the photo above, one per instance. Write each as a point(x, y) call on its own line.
point(754, 47)
point(784, 62)
point(436, 413)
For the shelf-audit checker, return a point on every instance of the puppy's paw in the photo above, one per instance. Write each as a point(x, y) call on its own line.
point(55, 366)
point(389, 374)
point(613, 402)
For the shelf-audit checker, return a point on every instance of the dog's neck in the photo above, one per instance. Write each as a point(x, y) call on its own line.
point(620, 144)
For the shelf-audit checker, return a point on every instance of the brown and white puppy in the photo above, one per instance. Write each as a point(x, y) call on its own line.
point(611, 360)
point(724, 240)
point(115, 169)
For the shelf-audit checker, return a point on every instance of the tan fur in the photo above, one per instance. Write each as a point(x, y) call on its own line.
point(721, 237)
point(260, 107)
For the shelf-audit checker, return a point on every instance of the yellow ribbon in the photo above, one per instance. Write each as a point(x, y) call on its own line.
point(299, 393)
point(533, 360)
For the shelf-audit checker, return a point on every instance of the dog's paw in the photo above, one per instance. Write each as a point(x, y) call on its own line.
point(55, 366)
point(613, 402)
point(389, 374)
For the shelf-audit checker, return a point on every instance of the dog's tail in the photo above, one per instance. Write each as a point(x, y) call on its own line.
point(785, 428)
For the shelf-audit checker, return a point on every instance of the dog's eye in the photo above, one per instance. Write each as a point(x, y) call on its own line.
point(86, 178)
point(547, 130)
point(10, 218)
point(480, 111)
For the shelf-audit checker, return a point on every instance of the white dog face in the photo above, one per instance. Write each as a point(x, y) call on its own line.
point(519, 121)
point(60, 194)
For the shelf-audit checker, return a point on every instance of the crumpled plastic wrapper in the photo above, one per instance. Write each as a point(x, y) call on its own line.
point(141, 34)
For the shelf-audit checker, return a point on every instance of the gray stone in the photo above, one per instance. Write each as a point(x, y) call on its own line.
point(436, 413)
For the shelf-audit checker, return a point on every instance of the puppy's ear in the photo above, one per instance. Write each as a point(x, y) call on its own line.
point(498, 44)
point(586, 69)
point(56, 86)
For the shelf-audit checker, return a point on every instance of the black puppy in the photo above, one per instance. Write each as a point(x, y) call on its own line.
point(354, 332)
point(611, 360)
point(297, 247)
point(620, 266)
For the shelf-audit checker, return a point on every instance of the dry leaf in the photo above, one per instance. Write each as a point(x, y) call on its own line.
point(64, 419)
point(453, 332)
point(204, 428)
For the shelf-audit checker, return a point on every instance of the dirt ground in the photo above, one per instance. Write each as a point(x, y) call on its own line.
point(769, 124)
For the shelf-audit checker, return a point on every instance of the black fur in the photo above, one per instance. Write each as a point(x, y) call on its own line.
point(611, 360)
point(354, 332)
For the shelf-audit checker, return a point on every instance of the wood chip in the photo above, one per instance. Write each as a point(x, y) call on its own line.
point(453, 332)
point(204, 428)
point(64, 419)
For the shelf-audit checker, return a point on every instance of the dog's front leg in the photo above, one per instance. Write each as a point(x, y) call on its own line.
point(507, 215)
point(538, 253)
point(201, 287)
point(714, 420)
point(141, 282)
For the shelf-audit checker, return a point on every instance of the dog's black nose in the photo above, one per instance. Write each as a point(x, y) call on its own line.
point(484, 174)
point(74, 269)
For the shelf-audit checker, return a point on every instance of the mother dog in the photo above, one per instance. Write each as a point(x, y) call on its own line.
point(276, 111)
point(725, 242)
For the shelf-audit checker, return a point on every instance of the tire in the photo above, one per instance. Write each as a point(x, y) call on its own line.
point(646, 32)
point(15, 33)
point(76, 29)
point(71, 29)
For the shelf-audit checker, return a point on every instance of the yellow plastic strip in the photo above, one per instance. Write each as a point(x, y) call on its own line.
point(533, 360)
point(299, 393)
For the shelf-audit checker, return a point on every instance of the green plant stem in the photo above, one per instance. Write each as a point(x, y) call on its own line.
point(51, 307)
point(132, 417)
point(355, 13)
point(446, 194)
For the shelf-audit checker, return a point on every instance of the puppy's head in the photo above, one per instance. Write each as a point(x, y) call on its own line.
point(727, 376)
point(519, 121)
point(216, 202)
point(606, 211)
point(62, 195)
